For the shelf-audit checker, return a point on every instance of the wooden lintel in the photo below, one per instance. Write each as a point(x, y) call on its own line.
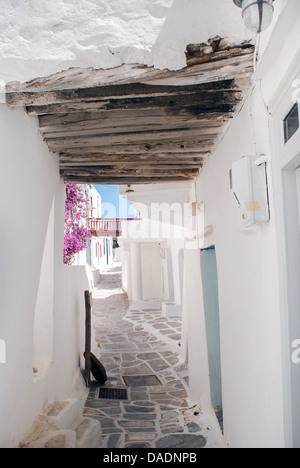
point(165, 164)
point(123, 181)
point(94, 137)
point(93, 158)
point(125, 173)
point(135, 124)
point(219, 101)
point(94, 145)
point(121, 117)
point(222, 65)
point(108, 128)
point(116, 92)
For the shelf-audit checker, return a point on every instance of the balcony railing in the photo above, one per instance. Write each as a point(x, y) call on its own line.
point(107, 227)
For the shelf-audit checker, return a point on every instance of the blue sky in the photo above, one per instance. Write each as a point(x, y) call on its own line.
point(113, 205)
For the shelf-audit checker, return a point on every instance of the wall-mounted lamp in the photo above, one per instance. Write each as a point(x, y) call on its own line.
point(129, 189)
point(257, 14)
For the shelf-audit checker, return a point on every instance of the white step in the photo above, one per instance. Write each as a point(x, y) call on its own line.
point(89, 434)
point(55, 439)
point(63, 414)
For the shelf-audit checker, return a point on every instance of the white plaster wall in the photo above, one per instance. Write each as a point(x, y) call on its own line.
point(44, 309)
point(38, 38)
point(194, 341)
point(248, 293)
point(29, 174)
point(192, 22)
point(176, 245)
point(43, 38)
point(152, 263)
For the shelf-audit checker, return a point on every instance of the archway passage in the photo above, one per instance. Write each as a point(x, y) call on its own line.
point(144, 403)
point(135, 124)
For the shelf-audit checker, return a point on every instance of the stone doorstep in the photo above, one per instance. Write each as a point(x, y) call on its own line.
point(63, 415)
point(89, 434)
point(55, 439)
point(61, 425)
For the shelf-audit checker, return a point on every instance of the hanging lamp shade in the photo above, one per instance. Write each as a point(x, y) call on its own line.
point(257, 14)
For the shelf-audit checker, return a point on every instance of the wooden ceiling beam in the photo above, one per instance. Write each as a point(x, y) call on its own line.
point(134, 124)
point(206, 102)
point(169, 164)
point(94, 137)
point(220, 65)
point(132, 158)
point(120, 117)
point(179, 147)
point(123, 181)
point(96, 145)
point(96, 127)
point(110, 92)
point(129, 172)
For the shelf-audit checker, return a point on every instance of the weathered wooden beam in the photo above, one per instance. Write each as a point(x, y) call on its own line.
point(129, 172)
point(132, 138)
point(103, 93)
point(218, 68)
point(217, 101)
point(166, 164)
point(128, 136)
point(123, 181)
point(107, 159)
point(98, 144)
point(203, 53)
point(91, 127)
point(122, 117)
point(191, 146)
point(121, 167)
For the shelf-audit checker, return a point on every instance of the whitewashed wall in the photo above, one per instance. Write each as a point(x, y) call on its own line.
point(38, 39)
point(29, 175)
point(249, 302)
point(253, 322)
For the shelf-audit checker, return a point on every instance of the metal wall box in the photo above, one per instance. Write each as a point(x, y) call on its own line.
point(248, 182)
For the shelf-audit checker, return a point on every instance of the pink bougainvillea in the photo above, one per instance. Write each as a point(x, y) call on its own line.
point(76, 233)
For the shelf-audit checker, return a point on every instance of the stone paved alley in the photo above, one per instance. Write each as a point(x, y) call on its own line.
point(140, 343)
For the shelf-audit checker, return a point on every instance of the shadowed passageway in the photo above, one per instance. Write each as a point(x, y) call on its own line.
point(140, 350)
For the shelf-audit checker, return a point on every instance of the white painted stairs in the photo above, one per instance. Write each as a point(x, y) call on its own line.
point(61, 425)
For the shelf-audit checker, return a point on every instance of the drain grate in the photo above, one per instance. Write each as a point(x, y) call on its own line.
point(141, 380)
point(113, 393)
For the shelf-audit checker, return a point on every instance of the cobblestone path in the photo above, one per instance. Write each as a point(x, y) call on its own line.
point(138, 343)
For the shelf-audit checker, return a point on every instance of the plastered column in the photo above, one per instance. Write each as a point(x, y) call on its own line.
point(136, 273)
point(195, 329)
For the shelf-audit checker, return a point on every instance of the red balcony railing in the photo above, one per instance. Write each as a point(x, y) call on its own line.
point(107, 227)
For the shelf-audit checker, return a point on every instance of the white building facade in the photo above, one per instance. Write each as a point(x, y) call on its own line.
point(99, 253)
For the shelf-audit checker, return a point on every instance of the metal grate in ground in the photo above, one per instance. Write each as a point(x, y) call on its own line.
point(107, 393)
point(141, 380)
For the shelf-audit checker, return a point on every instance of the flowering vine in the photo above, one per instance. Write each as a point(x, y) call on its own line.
point(76, 233)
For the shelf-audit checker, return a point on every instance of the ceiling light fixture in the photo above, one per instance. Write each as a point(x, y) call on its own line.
point(257, 14)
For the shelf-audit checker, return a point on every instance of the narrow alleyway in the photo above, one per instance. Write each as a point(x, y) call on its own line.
point(134, 345)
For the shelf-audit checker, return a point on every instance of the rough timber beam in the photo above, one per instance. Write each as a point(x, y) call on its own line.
point(115, 171)
point(123, 181)
point(220, 102)
point(117, 92)
point(134, 124)
point(180, 146)
point(134, 160)
point(221, 65)
point(125, 117)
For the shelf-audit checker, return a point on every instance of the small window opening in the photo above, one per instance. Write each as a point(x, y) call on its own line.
point(291, 123)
